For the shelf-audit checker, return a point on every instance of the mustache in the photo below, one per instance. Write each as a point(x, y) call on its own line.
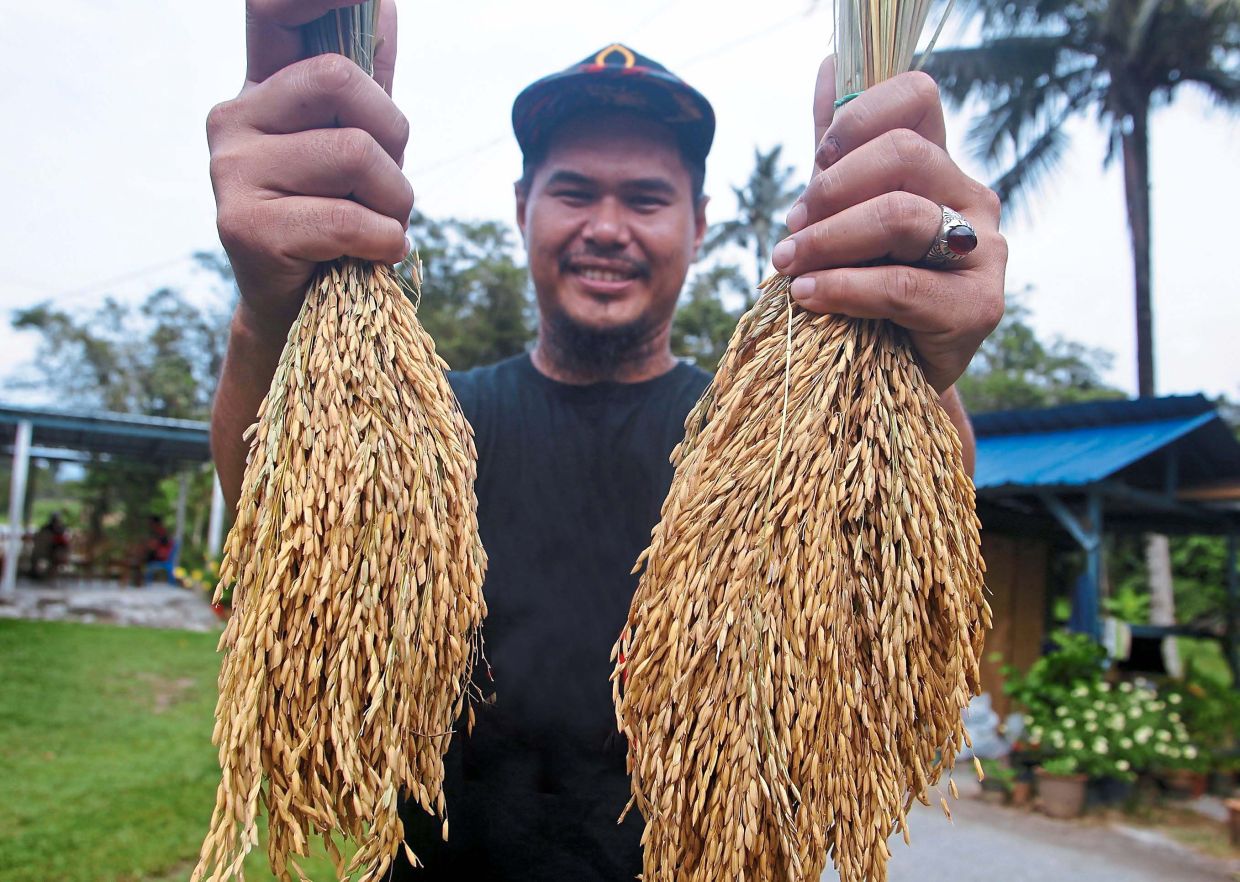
point(623, 263)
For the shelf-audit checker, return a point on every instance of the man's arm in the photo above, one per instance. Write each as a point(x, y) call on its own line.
point(964, 428)
point(305, 164)
point(249, 365)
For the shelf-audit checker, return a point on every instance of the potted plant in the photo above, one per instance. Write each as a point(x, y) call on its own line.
point(1061, 787)
point(997, 780)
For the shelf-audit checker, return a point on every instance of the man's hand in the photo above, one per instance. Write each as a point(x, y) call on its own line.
point(305, 162)
point(881, 173)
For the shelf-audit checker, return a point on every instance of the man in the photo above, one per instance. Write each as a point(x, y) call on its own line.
point(574, 438)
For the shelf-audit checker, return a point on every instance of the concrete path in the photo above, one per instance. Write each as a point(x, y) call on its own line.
point(987, 843)
point(152, 606)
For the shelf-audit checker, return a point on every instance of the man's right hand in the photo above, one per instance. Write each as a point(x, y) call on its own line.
point(306, 162)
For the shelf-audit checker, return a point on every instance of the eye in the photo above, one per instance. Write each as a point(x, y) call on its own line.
point(648, 202)
point(573, 196)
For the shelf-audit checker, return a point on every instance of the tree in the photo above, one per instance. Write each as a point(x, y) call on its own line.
point(475, 296)
point(160, 358)
point(1040, 63)
point(703, 324)
point(1014, 369)
point(766, 195)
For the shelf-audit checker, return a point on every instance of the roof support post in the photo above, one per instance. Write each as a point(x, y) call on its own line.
point(1089, 536)
point(1232, 637)
point(215, 526)
point(182, 497)
point(17, 504)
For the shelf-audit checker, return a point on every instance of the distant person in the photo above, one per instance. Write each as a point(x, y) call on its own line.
point(51, 548)
point(156, 548)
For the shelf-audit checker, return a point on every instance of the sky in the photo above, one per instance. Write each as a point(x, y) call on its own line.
point(106, 191)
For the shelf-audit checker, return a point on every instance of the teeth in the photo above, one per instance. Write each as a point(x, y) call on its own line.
point(603, 275)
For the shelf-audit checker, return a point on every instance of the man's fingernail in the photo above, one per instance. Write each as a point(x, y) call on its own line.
point(828, 152)
point(783, 253)
point(408, 246)
point(802, 287)
point(797, 217)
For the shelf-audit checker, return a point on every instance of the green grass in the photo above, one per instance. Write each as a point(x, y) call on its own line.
point(107, 772)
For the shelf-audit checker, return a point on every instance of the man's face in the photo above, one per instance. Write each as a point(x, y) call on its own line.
point(611, 225)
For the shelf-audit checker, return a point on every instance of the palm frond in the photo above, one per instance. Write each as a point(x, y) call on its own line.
point(984, 71)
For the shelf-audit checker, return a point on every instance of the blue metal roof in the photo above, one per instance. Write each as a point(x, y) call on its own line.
point(1079, 445)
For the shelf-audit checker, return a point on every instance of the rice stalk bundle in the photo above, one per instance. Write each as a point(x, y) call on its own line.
point(809, 621)
point(357, 573)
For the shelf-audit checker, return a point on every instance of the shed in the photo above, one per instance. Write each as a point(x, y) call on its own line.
point(1167, 465)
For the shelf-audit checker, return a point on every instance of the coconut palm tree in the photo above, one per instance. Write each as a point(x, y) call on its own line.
point(765, 197)
point(1039, 63)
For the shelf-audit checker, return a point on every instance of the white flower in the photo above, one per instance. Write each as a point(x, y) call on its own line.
point(1105, 687)
point(1160, 748)
point(1090, 714)
point(1100, 745)
point(1057, 739)
point(1117, 722)
point(1173, 717)
point(1125, 743)
point(1080, 691)
point(1134, 712)
point(1069, 724)
point(1174, 698)
point(1173, 752)
point(1076, 744)
point(1190, 752)
point(1157, 705)
point(1123, 765)
point(1091, 726)
point(1164, 735)
point(1061, 711)
point(1143, 734)
point(1125, 687)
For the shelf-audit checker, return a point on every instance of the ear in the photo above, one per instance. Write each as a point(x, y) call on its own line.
point(699, 223)
point(521, 196)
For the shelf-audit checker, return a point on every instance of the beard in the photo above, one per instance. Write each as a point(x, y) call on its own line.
point(598, 352)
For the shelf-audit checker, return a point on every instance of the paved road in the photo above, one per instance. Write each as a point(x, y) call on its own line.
point(993, 844)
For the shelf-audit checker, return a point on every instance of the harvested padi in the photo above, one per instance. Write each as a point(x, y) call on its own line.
point(357, 573)
point(809, 621)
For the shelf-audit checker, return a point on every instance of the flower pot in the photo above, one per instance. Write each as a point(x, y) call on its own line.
point(1061, 796)
point(1185, 784)
point(222, 610)
point(1022, 793)
point(1233, 819)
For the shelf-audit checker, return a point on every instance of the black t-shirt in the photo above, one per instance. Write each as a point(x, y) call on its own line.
point(570, 483)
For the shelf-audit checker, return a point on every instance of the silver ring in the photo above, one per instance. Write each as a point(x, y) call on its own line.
point(955, 241)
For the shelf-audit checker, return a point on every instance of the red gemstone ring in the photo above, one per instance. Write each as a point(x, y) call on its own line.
point(956, 239)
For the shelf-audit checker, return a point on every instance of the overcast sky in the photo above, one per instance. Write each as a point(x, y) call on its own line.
point(105, 186)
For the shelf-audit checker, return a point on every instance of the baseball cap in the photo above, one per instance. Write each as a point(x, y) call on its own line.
point(619, 78)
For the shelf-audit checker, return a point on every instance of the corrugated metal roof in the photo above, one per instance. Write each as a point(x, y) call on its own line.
point(1085, 444)
point(152, 439)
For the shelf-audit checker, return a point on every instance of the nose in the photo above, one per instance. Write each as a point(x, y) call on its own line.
point(606, 227)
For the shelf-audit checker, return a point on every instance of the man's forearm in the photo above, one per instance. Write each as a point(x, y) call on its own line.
point(249, 365)
point(964, 428)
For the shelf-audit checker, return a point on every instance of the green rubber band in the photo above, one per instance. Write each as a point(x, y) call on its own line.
point(840, 102)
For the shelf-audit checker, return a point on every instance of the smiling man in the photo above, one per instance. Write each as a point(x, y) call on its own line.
point(574, 438)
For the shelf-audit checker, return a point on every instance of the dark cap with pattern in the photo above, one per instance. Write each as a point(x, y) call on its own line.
point(620, 79)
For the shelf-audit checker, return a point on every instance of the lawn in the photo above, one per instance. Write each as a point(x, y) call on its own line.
point(108, 772)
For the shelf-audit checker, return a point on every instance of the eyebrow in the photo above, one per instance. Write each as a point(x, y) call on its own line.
point(575, 179)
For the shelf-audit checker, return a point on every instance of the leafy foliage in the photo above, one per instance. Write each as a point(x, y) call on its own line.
point(1039, 63)
point(475, 296)
point(765, 195)
point(703, 324)
point(1015, 369)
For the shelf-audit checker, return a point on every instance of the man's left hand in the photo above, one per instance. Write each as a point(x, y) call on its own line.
point(872, 211)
